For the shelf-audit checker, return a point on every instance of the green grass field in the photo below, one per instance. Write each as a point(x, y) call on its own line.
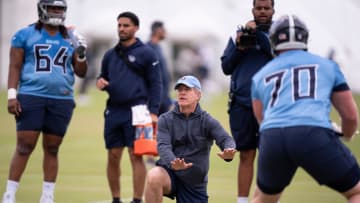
point(82, 176)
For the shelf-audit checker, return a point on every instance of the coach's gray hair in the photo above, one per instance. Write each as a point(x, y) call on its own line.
point(198, 92)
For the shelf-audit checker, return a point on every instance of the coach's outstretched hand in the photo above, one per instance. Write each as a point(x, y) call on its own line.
point(180, 164)
point(227, 154)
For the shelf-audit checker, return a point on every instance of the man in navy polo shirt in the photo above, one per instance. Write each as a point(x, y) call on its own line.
point(131, 76)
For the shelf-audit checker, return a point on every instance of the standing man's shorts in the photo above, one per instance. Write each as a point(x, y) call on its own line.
point(244, 127)
point(47, 115)
point(317, 150)
point(118, 130)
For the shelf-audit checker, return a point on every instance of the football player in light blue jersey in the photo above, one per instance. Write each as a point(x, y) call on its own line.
point(47, 70)
point(43, 60)
point(295, 89)
point(292, 97)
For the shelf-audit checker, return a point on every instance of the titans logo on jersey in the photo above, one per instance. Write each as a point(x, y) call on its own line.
point(294, 85)
point(47, 68)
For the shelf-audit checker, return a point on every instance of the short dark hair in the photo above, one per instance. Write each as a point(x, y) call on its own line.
point(134, 19)
point(156, 24)
point(272, 2)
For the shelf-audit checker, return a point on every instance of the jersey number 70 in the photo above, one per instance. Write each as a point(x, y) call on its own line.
point(297, 83)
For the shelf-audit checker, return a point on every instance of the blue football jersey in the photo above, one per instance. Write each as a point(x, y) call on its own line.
point(47, 67)
point(295, 89)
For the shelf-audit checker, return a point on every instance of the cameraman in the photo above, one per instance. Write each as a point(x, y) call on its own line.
point(242, 58)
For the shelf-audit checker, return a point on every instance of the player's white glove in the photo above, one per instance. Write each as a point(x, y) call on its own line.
point(338, 132)
point(337, 129)
point(79, 43)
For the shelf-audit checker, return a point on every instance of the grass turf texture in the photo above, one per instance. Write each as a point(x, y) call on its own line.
point(82, 174)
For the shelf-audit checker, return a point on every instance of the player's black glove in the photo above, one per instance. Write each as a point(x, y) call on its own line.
point(81, 51)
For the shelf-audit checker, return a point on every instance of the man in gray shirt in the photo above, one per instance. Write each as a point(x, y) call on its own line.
point(185, 137)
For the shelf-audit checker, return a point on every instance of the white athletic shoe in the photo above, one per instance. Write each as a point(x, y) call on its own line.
point(46, 198)
point(8, 198)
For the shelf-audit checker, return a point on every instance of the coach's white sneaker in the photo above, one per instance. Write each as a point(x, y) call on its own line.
point(8, 198)
point(46, 198)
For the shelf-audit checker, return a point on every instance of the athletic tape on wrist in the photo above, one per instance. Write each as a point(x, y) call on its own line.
point(81, 59)
point(12, 93)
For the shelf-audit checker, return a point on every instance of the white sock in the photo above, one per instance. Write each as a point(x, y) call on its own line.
point(48, 188)
point(242, 200)
point(12, 186)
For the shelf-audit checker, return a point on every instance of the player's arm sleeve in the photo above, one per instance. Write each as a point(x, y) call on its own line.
point(164, 144)
point(340, 83)
point(256, 102)
point(254, 93)
point(230, 58)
